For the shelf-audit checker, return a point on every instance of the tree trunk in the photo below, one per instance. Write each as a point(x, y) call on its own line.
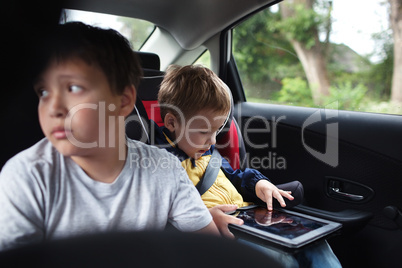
point(314, 66)
point(312, 59)
point(396, 25)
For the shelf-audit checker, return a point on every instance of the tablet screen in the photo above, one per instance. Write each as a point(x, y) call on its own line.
point(279, 223)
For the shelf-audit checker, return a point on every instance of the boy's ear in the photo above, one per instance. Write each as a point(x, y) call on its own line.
point(170, 122)
point(128, 99)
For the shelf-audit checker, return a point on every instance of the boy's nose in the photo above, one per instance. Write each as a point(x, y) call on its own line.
point(212, 139)
point(57, 107)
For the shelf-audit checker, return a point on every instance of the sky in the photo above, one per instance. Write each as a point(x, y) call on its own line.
point(100, 20)
point(353, 23)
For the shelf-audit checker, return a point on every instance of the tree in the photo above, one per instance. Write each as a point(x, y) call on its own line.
point(300, 24)
point(264, 57)
point(396, 25)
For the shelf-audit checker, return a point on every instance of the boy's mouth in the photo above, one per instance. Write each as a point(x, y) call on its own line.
point(60, 132)
point(203, 151)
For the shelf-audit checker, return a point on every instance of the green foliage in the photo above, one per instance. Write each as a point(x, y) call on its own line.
point(374, 106)
point(379, 77)
point(301, 26)
point(137, 30)
point(204, 59)
point(294, 91)
point(263, 56)
point(348, 96)
point(271, 72)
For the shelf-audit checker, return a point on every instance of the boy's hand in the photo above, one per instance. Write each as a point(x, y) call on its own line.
point(222, 219)
point(266, 191)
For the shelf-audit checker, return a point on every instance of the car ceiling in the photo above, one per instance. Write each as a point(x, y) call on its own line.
point(190, 22)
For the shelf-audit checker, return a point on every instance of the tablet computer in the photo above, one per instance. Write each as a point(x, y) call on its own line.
point(283, 227)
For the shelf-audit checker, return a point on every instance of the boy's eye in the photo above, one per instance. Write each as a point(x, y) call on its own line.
point(74, 88)
point(42, 93)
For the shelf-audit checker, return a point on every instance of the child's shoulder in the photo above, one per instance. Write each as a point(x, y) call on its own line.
point(137, 148)
point(42, 151)
point(151, 158)
point(39, 161)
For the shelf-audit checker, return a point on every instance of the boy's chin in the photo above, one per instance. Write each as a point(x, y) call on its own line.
point(197, 156)
point(67, 149)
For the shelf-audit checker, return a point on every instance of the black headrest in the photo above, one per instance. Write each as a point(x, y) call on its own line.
point(149, 60)
point(149, 87)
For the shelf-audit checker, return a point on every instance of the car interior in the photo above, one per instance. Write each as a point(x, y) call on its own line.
point(349, 162)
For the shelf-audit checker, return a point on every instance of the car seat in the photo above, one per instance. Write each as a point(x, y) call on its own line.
point(146, 106)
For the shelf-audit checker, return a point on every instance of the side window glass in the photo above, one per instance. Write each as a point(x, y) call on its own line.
point(204, 59)
point(320, 55)
point(135, 30)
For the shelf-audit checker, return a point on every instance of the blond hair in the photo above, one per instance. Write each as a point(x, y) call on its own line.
point(192, 88)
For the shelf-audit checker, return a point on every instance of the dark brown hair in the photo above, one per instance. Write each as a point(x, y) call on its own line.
point(104, 48)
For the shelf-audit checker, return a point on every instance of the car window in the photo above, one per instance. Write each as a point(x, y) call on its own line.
point(319, 56)
point(204, 59)
point(135, 30)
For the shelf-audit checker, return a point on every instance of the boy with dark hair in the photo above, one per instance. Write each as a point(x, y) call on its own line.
point(85, 176)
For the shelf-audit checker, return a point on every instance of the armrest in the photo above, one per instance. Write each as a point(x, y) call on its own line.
point(351, 219)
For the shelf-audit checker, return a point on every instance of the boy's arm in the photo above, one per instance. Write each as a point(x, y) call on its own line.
point(254, 186)
point(209, 229)
point(245, 181)
point(222, 219)
point(188, 212)
point(266, 191)
point(21, 216)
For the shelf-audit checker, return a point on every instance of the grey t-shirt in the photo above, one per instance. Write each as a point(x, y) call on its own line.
point(46, 196)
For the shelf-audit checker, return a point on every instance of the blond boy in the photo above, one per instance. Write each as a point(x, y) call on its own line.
point(194, 105)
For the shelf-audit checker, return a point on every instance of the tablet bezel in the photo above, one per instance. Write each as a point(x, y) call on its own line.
point(297, 242)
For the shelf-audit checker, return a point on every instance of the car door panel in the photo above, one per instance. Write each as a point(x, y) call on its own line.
point(349, 163)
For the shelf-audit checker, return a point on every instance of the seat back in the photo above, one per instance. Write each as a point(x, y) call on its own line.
point(138, 122)
point(148, 94)
point(230, 141)
point(231, 145)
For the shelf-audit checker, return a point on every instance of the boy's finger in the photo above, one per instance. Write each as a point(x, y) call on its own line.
point(287, 194)
point(224, 230)
point(226, 233)
point(227, 208)
point(278, 197)
point(269, 202)
point(236, 221)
